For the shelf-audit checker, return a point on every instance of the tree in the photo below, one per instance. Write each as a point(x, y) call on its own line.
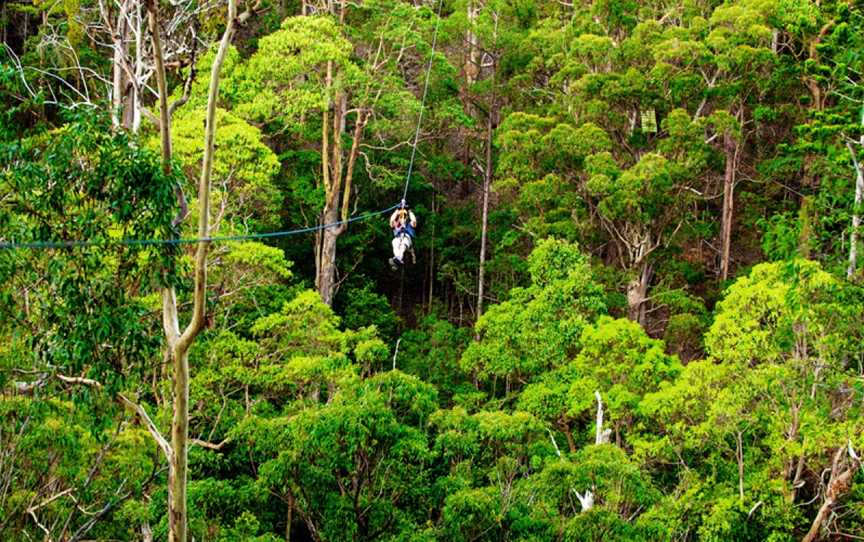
point(617, 359)
point(178, 343)
point(778, 348)
point(75, 331)
point(539, 327)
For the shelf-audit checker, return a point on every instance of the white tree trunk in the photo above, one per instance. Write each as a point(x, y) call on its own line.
point(139, 68)
point(859, 195)
point(601, 436)
point(586, 500)
point(178, 344)
point(487, 181)
point(118, 80)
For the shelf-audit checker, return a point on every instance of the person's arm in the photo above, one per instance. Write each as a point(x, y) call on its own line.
point(393, 218)
point(413, 219)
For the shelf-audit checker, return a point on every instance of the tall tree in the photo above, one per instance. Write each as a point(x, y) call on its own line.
point(179, 343)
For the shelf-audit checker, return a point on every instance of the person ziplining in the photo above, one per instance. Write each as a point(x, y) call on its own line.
point(403, 222)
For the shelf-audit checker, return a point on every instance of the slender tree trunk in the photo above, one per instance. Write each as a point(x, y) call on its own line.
point(598, 429)
point(487, 181)
point(118, 80)
point(856, 218)
point(180, 421)
point(179, 343)
point(139, 68)
point(730, 149)
point(739, 455)
point(170, 319)
point(859, 196)
point(325, 179)
point(161, 86)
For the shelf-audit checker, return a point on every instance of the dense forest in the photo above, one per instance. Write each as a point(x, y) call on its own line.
point(632, 309)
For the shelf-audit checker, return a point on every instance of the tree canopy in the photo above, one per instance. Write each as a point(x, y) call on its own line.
point(632, 310)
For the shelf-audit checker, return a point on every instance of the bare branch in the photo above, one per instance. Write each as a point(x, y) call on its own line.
point(209, 445)
point(154, 431)
point(79, 380)
point(187, 86)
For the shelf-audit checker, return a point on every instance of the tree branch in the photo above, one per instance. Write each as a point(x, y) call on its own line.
point(210, 445)
point(154, 431)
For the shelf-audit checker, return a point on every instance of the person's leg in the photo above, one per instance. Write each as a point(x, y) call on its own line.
point(398, 249)
point(409, 246)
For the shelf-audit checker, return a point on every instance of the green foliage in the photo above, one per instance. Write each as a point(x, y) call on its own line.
point(364, 307)
point(538, 328)
point(57, 446)
point(83, 182)
point(615, 126)
point(294, 84)
point(243, 170)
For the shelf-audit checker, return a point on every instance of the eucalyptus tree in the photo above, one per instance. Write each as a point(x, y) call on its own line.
point(178, 344)
point(763, 410)
point(75, 327)
point(539, 327)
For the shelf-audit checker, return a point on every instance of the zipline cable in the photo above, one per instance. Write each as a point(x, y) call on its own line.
point(423, 100)
point(188, 240)
point(11, 245)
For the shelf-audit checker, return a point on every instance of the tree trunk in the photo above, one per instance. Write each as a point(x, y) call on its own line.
point(177, 343)
point(337, 189)
point(739, 456)
point(327, 267)
point(118, 80)
point(161, 86)
point(487, 181)
point(598, 428)
point(838, 485)
point(856, 221)
point(331, 165)
point(730, 149)
point(177, 468)
point(859, 195)
point(637, 293)
point(139, 70)
point(472, 56)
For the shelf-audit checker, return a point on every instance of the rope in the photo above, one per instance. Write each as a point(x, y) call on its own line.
point(11, 245)
point(423, 100)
